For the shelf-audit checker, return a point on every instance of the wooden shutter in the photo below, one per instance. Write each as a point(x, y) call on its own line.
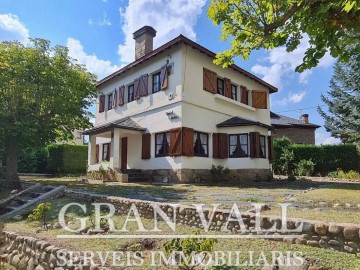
point(187, 142)
point(121, 95)
point(108, 152)
point(143, 87)
point(270, 149)
point(259, 99)
point(227, 88)
point(215, 138)
point(146, 146)
point(209, 80)
point(97, 154)
point(223, 145)
point(164, 77)
point(114, 98)
point(254, 144)
point(175, 142)
point(244, 92)
point(137, 88)
point(101, 103)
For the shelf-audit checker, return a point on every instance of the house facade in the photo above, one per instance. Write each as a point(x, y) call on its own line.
point(173, 114)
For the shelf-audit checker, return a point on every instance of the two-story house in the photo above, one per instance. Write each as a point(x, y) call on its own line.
point(173, 113)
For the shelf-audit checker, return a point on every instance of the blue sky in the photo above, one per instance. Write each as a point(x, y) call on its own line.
point(99, 34)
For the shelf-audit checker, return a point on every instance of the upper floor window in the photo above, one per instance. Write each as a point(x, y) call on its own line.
point(106, 152)
point(262, 147)
point(238, 145)
point(156, 84)
point(233, 92)
point(201, 144)
point(220, 87)
point(131, 92)
point(110, 102)
point(162, 144)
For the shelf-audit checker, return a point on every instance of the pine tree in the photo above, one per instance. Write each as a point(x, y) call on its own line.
point(343, 101)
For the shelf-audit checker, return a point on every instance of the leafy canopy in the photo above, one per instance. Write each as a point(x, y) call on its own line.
point(331, 25)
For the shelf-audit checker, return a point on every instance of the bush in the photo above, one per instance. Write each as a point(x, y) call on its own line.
point(33, 160)
point(280, 144)
point(67, 159)
point(39, 213)
point(304, 167)
point(352, 175)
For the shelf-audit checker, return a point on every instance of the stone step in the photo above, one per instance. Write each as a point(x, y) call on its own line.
point(129, 171)
point(138, 178)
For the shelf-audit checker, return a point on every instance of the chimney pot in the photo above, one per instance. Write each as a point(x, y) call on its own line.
point(143, 41)
point(305, 119)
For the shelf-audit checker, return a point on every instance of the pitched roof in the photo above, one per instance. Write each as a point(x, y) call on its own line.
point(183, 40)
point(124, 123)
point(278, 120)
point(238, 121)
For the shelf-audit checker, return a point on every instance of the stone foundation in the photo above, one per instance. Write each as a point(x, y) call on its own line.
point(206, 176)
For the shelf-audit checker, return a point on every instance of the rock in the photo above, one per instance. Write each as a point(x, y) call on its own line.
point(353, 245)
point(351, 233)
point(307, 227)
point(321, 228)
point(333, 242)
point(313, 243)
point(300, 241)
point(17, 218)
point(350, 249)
point(57, 225)
point(334, 229)
point(14, 191)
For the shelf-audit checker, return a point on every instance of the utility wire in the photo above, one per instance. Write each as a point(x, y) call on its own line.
point(301, 109)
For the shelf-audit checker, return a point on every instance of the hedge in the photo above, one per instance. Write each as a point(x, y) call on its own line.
point(67, 158)
point(328, 158)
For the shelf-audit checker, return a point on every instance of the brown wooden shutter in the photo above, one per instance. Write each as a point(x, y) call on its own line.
point(108, 152)
point(101, 103)
point(164, 77)
point(227, 88)
point(209, 80)
point(244, 92)
point(259, 99)
point(270, 149)
point(146, 146)
point(175, 142)
point(97, 154)
point(215, 138)
point(143, 87)
point(121, 95)
point(114, 98)
point(223, 145)
point(254, 144)
point(187, 142)
point(137, 88)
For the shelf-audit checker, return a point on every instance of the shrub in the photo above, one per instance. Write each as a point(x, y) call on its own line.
point(286, 162)
point(67, 159)
point(304, 167)
point(280, 144)
point(39, 213)
point(33, 160)
point(352, 175)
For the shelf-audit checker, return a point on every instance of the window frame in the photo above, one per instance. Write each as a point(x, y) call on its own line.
point(107, 158)
point(156, 145)
point(157, 74)
point(261, 147)
point(133, 92)
point(223, 86)
point(110, 101)
point(247, 145)
point(207, 144)
point(236, 92)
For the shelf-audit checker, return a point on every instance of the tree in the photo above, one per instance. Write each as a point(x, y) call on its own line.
point(44, 96)
point(343, 119)
point(39, 213)
point(331, 25)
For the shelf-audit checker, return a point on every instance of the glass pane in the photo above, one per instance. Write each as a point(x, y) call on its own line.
point(244, 148)
point(233, 139)
point(158, 138)
point(232, 150)
point(203, 138)
point(243, 139)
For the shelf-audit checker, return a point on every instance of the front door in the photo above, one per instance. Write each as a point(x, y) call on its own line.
point(124, 146)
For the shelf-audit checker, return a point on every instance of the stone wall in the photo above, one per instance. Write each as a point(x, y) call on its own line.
point(296, 135)
point(342, 237)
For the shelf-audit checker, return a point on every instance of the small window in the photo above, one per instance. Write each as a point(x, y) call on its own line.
point(262, 147)
point(234, 92)
point(201, 144)
point(238, 145)
point(162, 144)
point(220, 87)
point(156, 82)
point(106, 152)
point(110, 101)
point(97, 154)
point(130, 93)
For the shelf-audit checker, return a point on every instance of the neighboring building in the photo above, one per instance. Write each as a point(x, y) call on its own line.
point(78, 139)
point(298, 131)
point(173, 113)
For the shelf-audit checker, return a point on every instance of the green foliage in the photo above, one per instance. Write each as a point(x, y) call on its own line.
point(291, 178)
point(67, 158)
point(39, 213)
point(304, 167)
point(103, 222)
point(218, 172)
point(287, 162)
point(252, 25)
point(279, 145)
point(190, 247)
point(351, 175)
point(33, 160)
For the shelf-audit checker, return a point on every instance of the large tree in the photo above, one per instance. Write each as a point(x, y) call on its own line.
point(331, 25)
point(44, 96)
point(343, 101)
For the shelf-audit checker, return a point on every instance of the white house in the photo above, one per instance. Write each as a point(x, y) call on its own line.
point(173, 113)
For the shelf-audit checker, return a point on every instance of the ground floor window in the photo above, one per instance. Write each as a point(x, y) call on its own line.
point(97, 154)
point(162, 144)
point(262, 146)
point(201, 144)
point(106, 152)
point(238, 145)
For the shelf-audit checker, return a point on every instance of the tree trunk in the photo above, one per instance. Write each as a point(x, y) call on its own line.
point(11, 154)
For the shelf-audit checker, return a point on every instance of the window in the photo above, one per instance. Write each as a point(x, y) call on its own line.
point(156, 83)
point(220, 87)
point(201, 143)
point(130, 93)
point(97, 154)
point(110, 101)
point(238, 145)
point(262, 147)
point(162, 144)
point(106, 152)
point(233, 92)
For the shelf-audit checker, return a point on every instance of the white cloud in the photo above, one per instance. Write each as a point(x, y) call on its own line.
point(11, 28)
point(103, 22)
point(321, 138)
point(169, 18)
point(95, 65)
point(282, 64)
point(291, 98)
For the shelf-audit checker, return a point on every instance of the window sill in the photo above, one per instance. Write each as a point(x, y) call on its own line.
point(238, 156)
point(218, 96)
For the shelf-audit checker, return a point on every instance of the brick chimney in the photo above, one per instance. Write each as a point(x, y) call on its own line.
point(143, 41)
point(305, 119)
